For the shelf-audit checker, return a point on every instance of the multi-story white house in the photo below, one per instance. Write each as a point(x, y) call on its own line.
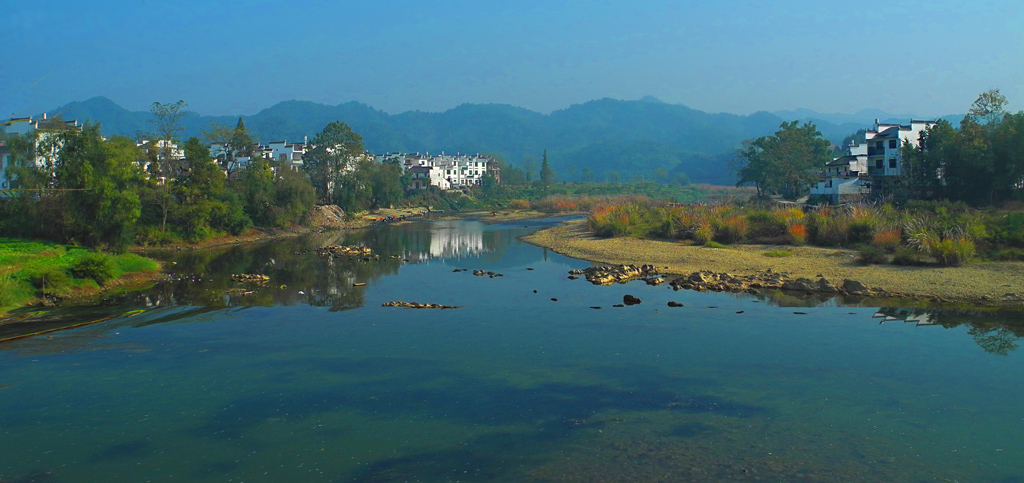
point(871, 168)
point(46, 144)
point(447, 171)
point(285, 152)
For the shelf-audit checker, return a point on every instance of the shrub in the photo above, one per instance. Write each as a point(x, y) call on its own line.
point(713, 244)
point(831, 232)
point(778, 254)
point(153, 236)
point(731, 230)
point(887, 239)
point(907, 256)
point(96, 266)
point(8, 285)
point(766, 227)
point(50, 280)
point(1008, 254)
point(871, 254)
point(519, 205)
point(860, 230)
point(798, 234)
point(952, 252)
point(703, 233)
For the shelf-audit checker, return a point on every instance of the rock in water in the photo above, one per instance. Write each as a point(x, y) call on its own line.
point(630, 300)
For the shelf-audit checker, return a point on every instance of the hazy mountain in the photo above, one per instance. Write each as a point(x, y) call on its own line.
point(632, 138)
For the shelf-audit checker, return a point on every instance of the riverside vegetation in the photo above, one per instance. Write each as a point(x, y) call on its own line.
point(919, 233)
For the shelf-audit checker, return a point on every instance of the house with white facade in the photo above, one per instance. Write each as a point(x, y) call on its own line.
point(869, 169)
point(46, 144)
point(448, 171)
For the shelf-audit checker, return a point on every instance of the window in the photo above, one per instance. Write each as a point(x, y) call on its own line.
point(892, 163)
point(893, 144)
point(878, 163)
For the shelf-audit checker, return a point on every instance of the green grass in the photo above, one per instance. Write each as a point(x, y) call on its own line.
point(778, 254)
point(714, 244)
point(31, 268)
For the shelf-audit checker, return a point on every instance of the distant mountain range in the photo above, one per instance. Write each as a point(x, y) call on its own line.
point(632, 138)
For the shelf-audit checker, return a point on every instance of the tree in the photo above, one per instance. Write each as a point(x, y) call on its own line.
point(547, 175)
point(987, 109)
point(333, 149)
point(786, 162)
point(101, 179)
point(238, 142)
point(167, 121)
point(924, 165)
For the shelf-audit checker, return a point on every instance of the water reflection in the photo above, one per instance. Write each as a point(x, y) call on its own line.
point(996, 331)
point(299, 276)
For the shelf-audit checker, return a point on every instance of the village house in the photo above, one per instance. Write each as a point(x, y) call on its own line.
point(446, 171)
point(870, 169)
point(45, 145)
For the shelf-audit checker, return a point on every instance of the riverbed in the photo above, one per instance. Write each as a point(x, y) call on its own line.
point(308, 378)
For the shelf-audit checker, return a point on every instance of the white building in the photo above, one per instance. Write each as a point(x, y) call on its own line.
point(448, 171)
point(871, 168)
point(46, 145)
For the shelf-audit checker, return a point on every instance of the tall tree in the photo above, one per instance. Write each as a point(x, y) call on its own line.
point(333, 149)
point(167, 122)
point(786, 162)
point(101, 203)
point(237, 142)
point(547, 175)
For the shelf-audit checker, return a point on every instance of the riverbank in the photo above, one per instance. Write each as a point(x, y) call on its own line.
point(987, 283)
point(45, 273)
point(504, 216)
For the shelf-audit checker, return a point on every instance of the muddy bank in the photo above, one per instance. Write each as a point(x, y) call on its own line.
point(987, 283)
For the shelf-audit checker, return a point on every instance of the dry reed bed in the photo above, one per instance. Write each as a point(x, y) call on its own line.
point(974, 282)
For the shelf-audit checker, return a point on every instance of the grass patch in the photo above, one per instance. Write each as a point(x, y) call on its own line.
point(714, 244)
point(778, 254)
point(30, 269)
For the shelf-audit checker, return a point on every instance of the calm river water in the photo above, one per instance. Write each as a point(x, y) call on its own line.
point(310, 379)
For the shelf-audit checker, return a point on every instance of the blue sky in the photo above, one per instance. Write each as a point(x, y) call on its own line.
point(924, 58)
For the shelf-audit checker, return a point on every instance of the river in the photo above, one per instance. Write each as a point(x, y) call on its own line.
point(309, 378)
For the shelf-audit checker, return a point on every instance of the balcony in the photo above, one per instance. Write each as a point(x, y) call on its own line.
point(876, 151)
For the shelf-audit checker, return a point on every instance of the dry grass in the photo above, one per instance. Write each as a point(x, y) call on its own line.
point(970, 282)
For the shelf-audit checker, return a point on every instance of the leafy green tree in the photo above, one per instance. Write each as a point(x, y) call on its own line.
point(239, 142)
point(100, 181)
point(786, 162)
point(547, 175)
point(333, 148)
point(923, 165)
point(386, 184)
point(204, 206)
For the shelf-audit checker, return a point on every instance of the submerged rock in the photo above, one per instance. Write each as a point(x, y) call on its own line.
point(416, 305)
point(346, 251)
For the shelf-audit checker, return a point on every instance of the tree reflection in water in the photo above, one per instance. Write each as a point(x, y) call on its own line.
point(299, 276)
point(994, 330)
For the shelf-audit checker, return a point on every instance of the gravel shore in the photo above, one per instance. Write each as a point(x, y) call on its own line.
point(989, 283)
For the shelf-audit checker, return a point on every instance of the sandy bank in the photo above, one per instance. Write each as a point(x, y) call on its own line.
point(995, 283)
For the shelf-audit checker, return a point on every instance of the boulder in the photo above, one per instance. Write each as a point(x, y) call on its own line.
point(630, 300)
point(854, 287)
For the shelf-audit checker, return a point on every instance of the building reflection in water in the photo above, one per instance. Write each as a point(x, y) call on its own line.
point(447, 240)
